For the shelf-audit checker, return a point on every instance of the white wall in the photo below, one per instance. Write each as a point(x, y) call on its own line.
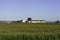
point(37, 22)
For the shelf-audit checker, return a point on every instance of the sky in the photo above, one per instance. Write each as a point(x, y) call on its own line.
point(48, 10)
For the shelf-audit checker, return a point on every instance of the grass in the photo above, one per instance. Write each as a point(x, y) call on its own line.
point(25, 31)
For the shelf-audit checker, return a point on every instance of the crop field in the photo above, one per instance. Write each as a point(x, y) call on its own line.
point(25, 31)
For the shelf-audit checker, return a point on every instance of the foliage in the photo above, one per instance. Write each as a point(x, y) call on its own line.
point(29, 19)
point(57, 21)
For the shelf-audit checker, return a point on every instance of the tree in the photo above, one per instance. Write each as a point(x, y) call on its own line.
point(29, 19)
point(57, 21)
point(19, 21)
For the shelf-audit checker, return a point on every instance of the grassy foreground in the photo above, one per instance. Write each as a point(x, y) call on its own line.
point(21, 31)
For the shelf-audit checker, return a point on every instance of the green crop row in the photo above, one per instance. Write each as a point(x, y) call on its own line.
point(31, 36)
point(21, 31)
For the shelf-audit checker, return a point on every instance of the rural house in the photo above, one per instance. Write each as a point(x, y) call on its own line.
point(37, 21)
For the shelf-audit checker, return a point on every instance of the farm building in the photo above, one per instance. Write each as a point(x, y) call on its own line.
point(37, 21)
point(24, 21)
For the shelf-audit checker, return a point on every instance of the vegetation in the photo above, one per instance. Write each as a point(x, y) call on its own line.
point(29, 19)
point(25, 31)
point(57, 21)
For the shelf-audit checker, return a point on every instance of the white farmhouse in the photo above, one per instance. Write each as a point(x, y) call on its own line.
point(37, 21)
point(24, 21)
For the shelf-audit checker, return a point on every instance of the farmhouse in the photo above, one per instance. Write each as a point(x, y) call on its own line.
point(24, 21)
point(29, 20)
point(37, 21)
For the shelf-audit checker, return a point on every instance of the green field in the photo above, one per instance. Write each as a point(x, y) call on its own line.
point(25, 31)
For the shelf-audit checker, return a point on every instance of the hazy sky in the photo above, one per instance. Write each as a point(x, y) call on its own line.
point(36, 9)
